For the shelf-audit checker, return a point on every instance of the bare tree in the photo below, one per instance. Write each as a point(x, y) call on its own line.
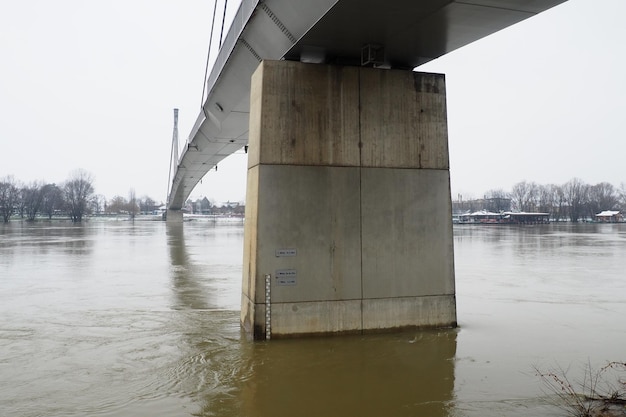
point(117, 205)
point(560, 202)
point(32, 199)
point(9, 197)
point(52, 199)
point(97, 203)
point(523, 196)
point(132, 207)
point(546, 198)
point(602, 196)
point(147, 204)
point(621, 195)
point(497, 200)
point(21, 202)
point(576, 195)
point(78, 190)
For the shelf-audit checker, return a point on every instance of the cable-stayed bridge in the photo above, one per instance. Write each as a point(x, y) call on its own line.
point(391, 33)
point(348, 223)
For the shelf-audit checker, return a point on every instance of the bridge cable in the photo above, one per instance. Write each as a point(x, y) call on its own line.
point(223, 20)
point(208, 56)
point(169, 177)
point(173, 152)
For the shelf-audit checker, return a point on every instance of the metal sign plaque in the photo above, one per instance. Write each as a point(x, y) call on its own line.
point(280, 253)
point(286, 277)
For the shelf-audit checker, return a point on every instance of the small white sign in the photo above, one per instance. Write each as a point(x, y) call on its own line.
point(286, 277)
point(280, 253)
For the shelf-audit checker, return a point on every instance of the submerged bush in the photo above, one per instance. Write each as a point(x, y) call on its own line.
point(601, 393)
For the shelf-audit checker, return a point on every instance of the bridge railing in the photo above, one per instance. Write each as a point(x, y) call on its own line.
point(245, 10)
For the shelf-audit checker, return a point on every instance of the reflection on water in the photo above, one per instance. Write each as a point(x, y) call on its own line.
point(123, 319)
point(37, 239)
point(284, 378)
point(214, 282)
point(396, 375)
point(186, 284)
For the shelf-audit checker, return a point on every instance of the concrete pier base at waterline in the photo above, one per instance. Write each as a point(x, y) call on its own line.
point(174, 216)
point(348, 214)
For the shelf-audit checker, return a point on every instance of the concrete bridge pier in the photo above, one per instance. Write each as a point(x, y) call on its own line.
point(174, 216)
point(348, 213)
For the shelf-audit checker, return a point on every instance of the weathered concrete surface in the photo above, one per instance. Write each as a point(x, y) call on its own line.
point(348, 201)
point(403, 120)
point(406, 312)
point(406, 233)
point(174, 216)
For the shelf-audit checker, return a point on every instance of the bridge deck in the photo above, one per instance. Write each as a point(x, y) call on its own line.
point(332, 31)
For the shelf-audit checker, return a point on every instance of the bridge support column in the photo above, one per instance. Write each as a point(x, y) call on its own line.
point(348, 211)
point(174, 216)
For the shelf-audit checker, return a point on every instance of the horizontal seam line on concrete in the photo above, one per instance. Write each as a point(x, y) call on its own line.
point(344, 166)
point(363, 299)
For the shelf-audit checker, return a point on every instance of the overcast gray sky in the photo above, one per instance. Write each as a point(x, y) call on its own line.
point(92, 84)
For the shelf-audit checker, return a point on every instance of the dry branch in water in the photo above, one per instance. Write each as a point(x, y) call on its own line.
point(601, 393)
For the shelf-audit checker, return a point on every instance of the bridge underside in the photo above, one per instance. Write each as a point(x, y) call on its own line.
point(348, 215)
point(409, 33)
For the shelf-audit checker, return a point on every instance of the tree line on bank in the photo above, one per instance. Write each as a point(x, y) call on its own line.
point(76, 198)
point(73, 198)
point(575, 200)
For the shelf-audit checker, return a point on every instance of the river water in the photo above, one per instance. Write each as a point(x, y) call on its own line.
point(114, 318)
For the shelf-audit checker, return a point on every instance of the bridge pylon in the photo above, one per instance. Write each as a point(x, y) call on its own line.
point(173, 216)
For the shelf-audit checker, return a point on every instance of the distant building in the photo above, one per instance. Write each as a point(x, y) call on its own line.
point(504, 217)
point(609, 216)
point(204, 206)
point(495, 205)
point(231, 204)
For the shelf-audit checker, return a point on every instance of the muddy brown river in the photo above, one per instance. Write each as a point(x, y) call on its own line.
point(115, 318)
